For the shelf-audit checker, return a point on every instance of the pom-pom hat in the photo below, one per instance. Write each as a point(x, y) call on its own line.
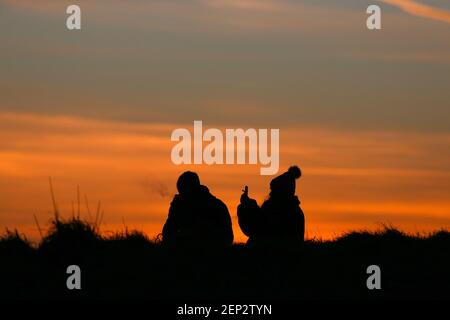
point(285, 183)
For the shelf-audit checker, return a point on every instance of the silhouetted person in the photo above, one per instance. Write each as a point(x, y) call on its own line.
point(196, 218)
point(280, 220)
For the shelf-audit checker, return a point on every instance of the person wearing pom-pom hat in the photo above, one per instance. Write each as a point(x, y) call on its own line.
point(279, 220)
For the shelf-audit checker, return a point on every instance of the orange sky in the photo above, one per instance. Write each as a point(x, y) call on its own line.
point(364, 113)
point(352, 179)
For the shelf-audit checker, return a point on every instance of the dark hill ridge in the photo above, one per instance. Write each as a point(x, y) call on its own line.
point(130, 265)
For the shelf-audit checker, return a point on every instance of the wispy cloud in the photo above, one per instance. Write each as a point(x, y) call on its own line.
point(421, 10)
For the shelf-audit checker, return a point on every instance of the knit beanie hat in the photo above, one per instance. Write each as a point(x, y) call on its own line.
point(285, 183)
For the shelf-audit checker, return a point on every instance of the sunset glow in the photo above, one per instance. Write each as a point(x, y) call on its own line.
point(350, 181)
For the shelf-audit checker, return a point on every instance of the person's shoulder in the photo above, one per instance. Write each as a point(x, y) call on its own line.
point(267, 202)
point(175, 200)
point(217, 201)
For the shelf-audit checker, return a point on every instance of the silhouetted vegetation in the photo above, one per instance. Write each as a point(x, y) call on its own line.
point(129, 264)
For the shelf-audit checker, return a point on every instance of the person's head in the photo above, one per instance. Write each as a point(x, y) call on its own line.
point(188, 182)
point(284, 184)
